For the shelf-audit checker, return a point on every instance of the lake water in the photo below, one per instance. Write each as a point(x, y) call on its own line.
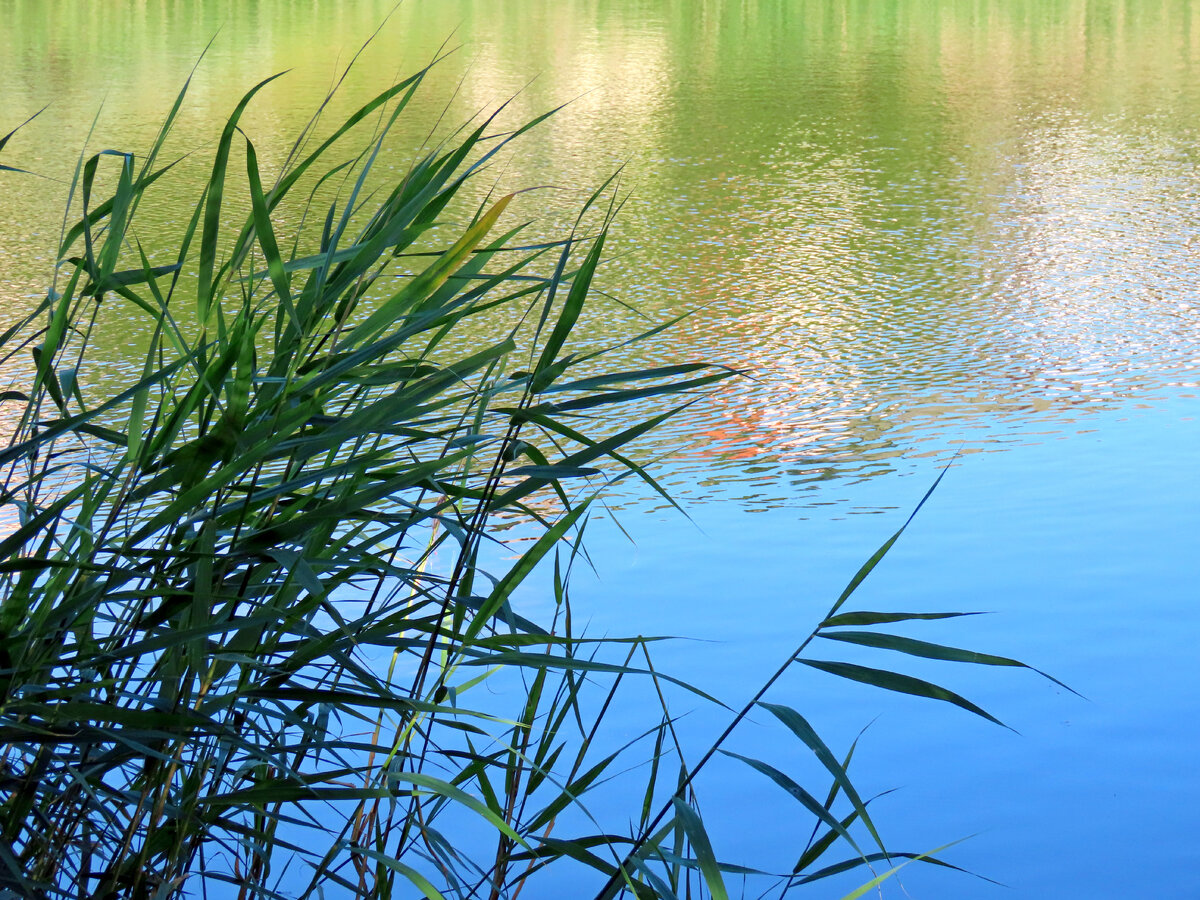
point(921, 227)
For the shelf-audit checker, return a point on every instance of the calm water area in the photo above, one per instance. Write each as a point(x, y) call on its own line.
point(922, 228)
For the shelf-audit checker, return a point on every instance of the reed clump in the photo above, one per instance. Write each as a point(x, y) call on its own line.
point(245, 605)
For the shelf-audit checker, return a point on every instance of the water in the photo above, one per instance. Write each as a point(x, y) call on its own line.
point(921, 227)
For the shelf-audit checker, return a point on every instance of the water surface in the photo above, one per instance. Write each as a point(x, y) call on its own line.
point(919, 227)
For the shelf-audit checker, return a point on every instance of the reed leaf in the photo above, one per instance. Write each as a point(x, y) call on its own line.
point(901, 684)
point(928, 650)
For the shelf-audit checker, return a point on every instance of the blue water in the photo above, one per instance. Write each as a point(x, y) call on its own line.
point(1085, 551)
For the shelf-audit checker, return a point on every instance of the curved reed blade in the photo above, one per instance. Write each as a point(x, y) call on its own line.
point(901, 684)
point(6, 138)
point(927, 650)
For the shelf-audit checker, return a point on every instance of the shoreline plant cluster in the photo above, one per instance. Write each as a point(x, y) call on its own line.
point(244, 613)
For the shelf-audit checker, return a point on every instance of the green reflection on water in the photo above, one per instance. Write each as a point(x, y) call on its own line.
point(916, 223)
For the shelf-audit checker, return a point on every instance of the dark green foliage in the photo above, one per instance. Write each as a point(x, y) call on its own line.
point(245, 604)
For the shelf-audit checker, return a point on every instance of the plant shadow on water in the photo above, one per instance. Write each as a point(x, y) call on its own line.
point(251, 599)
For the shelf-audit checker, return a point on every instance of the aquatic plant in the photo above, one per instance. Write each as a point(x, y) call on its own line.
point(251, 594)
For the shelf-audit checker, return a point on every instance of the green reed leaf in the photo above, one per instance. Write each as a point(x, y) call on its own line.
point(693, 827)
point(884, 618)
point(929, 651)
point(901, 684)
point(800, 727)
point(807, 800)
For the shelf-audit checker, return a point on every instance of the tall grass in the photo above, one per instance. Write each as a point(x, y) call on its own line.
point(247, 608)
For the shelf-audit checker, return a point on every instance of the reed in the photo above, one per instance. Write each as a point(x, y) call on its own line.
point(251, 594)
